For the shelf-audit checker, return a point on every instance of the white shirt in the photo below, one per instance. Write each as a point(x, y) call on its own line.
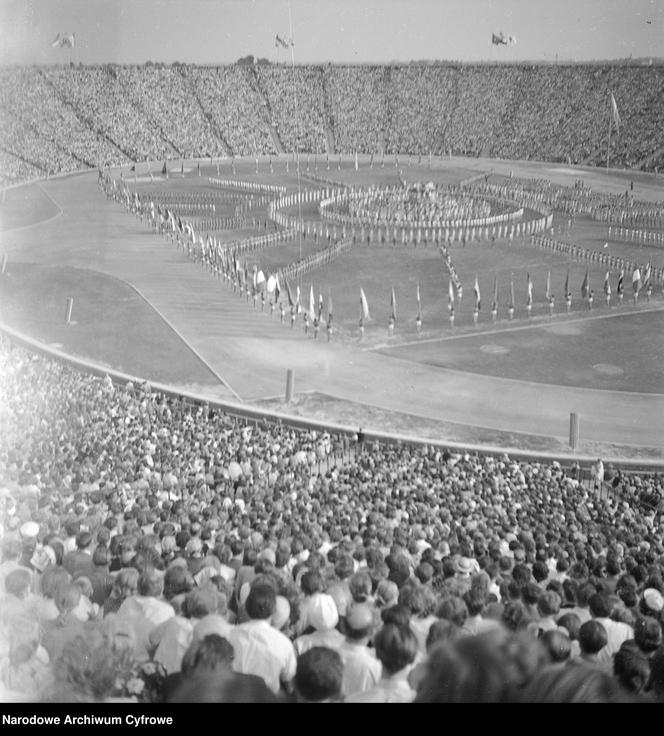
point(395, 689)
point(262, 650)
point(617, 633)
point(331, 639)
point(362, 670)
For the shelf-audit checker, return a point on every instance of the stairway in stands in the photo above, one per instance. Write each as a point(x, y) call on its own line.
point(255, 84)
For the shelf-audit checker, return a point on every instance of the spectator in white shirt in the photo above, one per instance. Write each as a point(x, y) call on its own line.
point(259, 648)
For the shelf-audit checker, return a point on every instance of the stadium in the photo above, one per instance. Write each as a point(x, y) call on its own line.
point(369, 356)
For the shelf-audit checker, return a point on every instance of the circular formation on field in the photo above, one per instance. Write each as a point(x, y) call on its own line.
point(493, 349)
point(606, 369)
point(416, 206)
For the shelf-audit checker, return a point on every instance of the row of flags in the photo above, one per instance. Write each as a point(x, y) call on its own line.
point(638, 282)
point(63, 41)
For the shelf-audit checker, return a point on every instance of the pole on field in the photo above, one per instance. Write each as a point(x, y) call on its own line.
point(70, 307)
point(574, 430)
point(289, 385)
point(3, 266)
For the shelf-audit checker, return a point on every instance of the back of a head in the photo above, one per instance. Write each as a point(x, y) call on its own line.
point(396, 647)
point(208, 654)
point(359, 621)
point(557, 644)
point(222, 686)
point(592, 637)
point(486, 668)
point(67, 598)
point(453, 609)
point(599, 605)
point(576, 683)
point(631, 668)
point(261, 601)
point(150, 583)
point(319, 675)
point(17, 583)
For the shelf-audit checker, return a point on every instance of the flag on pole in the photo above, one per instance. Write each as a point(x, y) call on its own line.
point(476, 289)
point(646, 276)
point(357, 165)
point(277, 288)
point(621, 282)
point(636, 280)
point(568, 293)
point(320, 306)
point(68, 41)
point(494, 306)
point(585, 286)
point(548, 285)
point(530, 291)
point(607, 285)
point(56, 43)
point(291, 301)
point(614, 111)
point(312, 304)
point(450, 297)
point(393, 306)
point(283, 42)
point(364, 308)
point(512, 300)
point(329, 309)
point(419, 304)
point(298, 306)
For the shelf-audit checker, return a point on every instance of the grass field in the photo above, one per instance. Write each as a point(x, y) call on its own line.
point(616, 348)
point(25, 206)
point(575, 352)
point(130, 337)
point(379, 268)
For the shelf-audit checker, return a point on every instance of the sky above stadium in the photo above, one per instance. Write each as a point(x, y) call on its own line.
point(359, 31)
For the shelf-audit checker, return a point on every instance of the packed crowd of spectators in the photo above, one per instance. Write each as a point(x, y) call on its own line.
point(61, 118)
point(158, 550)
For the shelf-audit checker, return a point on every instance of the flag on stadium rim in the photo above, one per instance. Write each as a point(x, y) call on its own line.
point(277, 288)
point(476, 289)
point(548, 285)
point(320, 306)
point(364, 308)
point(393, 306)
point(494, 306)
point(607, 285)
point(511, 305)
point(636, 280)
point(585, 286)
point(614, 111)
point(450, 296)
point(329, 308)
point(283, 42)
point(419, 304)
point(530, 291)
point(298, 306)
point(568, 293)
point(620, 288)
point(357, 165)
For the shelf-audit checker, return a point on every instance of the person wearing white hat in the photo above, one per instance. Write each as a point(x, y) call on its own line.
point(323, 616)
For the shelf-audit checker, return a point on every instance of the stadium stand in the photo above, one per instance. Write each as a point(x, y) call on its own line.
point(147, 537)
point(58, 119)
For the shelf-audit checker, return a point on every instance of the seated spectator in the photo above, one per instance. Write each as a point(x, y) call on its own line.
point(592, 641)
point(396, 649)
point(488, 668)
point(259, 648)
point(319, 676)
point(362, 669)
